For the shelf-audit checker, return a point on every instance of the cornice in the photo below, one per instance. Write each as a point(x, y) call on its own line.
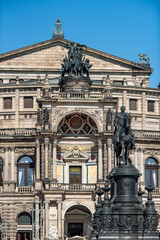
point(51, 42)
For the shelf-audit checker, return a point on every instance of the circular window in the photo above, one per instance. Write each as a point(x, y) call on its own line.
point(76, 122)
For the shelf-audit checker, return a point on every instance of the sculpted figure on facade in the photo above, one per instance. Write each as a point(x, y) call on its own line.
point(53, 232)
point(39, 117)
point(143, 57)
point(75, 64)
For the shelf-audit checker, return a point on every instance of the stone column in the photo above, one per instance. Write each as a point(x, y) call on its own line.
point(59, 219)
point(55, 161)
point(37, 218)
point(17, 99)
point(142, 167)
point(100, 167)
point(109, 148)
point(6, 169)
point(12, 184)
point(135, 158)
point(105, 167)
point(46, 218)
point(124, 100)
point(37, 159)
point(46, 142)
point(62, 228)
point(143, 110)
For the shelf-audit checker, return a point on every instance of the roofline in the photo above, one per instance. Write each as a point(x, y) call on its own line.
point(62, 40)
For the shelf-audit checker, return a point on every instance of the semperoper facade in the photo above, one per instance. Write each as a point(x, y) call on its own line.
point(58, 102)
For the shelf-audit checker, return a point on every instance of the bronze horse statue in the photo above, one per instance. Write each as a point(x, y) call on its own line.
point(125, 143)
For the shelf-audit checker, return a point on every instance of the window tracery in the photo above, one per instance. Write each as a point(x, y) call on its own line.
point(77, 124)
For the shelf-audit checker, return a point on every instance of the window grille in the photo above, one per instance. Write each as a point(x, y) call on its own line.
point(150, 106)
point(28, 102)
point(133, 104)
point(25, 219)
point(7, 103)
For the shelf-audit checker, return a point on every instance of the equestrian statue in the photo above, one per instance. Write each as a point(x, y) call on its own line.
point(123, 137)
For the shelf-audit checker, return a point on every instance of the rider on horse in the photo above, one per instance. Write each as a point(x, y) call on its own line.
point(123, 134)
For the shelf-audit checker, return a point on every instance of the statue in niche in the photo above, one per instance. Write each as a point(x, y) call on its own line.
point(39, 117)
point(109, 117)
point(46, 116)
point(53, 232)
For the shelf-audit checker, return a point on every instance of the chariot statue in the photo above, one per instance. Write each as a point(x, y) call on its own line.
point(75, 64)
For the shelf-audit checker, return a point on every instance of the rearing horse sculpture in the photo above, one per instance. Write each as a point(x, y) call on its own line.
point(123, 138)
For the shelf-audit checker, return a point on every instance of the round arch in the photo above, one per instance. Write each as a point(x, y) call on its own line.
point(155, 158)
point(24, 155)
point(78, 204)
point(81, 111)
point(78, 221)
point(151, 171)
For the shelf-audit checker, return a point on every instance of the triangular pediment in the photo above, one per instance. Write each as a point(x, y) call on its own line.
point(49, 54)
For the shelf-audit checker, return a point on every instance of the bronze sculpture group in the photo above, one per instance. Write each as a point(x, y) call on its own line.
point(75, 64)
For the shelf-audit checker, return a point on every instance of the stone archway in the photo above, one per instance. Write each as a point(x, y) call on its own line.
point(78, 222)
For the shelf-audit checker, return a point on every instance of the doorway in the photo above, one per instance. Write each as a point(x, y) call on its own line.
point(75, 229)
point(78, 222)
point(25, 235)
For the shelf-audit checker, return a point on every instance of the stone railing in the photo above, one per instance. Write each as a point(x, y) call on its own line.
point(146, 134)
point(77, 95)
point(17, 132)
point(72, 187)
point(24, 189)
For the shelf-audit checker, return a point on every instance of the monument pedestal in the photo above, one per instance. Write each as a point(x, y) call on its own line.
point(123, 216)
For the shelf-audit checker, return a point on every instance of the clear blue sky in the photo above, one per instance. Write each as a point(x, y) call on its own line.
point(119, 27)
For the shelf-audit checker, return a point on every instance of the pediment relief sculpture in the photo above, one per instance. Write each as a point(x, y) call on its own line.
point(75, 154)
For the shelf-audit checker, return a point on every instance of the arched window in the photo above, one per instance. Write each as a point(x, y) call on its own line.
point(151, 172)
point(24, 219)
point(1, 171)
point(77, 124)
point(25, 171)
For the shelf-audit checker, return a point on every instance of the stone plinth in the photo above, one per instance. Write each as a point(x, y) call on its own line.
point(75, 84)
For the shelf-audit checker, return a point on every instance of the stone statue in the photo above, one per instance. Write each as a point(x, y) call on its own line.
point(53, 233)
point(59, 32)
point(75, 64)
point(109, 117)
point(39, 117)
point(123, 136)
point(143, 57)
point(46, 115)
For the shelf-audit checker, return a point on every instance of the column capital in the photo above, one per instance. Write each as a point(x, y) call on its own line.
point(6, 149)
point(37, 141)
point(12, 148)
point(109, 142)
point(99, 143)
point(46, 141)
